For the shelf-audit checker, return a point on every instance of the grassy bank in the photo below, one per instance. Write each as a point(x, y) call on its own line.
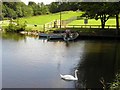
point(43, 19)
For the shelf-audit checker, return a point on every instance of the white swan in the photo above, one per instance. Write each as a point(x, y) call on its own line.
point(70, 77)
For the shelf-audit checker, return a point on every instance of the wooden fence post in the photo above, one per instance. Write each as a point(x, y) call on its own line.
point(44, 28)
point(51, 24)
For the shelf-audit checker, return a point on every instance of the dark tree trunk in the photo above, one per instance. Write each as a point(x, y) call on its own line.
point(102, 21)
point(103, 25)
point(117, 21)
point(117, 24)
point(104, 18)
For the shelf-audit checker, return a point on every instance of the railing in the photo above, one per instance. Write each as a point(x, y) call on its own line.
point(88, 26)
point(48, 26)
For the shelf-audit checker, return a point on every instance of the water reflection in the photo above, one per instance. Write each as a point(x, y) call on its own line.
point(0, 61)
point(37, 63)
point(13, 36)
point(99, 62)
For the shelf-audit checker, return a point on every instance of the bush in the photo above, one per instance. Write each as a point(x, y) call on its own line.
point(116, 84)
point(15, 26)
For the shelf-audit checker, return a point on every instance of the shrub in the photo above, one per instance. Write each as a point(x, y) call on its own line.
point(15, 26)
point(116, 84)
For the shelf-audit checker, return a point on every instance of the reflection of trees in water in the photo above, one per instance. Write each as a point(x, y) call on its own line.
point(117, 56)
point(97, 64)
point(13, 36)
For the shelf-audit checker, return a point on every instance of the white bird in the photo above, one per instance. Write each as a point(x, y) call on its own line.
point(70, 77)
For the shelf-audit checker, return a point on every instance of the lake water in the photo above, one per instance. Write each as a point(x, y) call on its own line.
point(30, 62)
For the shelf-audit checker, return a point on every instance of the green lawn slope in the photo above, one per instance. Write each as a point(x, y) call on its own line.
point(43, 19)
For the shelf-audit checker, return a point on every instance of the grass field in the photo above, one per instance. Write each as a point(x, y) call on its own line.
point(110, 23)
point(43, 19)
point(93, 22)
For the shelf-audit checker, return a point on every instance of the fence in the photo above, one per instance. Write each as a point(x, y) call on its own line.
point(56, 23)
point(49, 26)
point(88, 26)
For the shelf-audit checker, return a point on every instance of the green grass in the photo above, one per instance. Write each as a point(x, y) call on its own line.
point(93, 22)
point(4, 23)
point(43, 19)
point(110, 23)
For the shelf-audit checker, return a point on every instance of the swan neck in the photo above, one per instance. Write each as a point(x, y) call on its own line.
point(76, 74)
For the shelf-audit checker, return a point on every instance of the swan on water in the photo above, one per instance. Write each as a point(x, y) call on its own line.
point(70, 77)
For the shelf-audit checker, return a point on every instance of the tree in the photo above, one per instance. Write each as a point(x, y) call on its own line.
point(114, 9)
point(34, 6)
point(63, 6)
point(27, 11)
point(43, 9)
point(117, 7)
point(16, 9)
point(38, 9)
point(3, 10)
point(54, 7)
point(19, 9)
point(101, 10)
point(9, 12)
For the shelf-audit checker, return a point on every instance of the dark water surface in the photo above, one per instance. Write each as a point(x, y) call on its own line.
point(29, 62)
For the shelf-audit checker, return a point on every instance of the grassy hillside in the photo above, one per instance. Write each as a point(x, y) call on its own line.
point(43, 19)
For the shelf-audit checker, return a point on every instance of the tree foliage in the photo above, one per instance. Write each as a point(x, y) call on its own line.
point(63, 6)
point(115, 85)
point(20, 9)
point(54, 7)
point(101, 10)
point(15, 26)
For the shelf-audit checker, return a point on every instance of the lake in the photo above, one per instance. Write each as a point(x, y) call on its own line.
point(32, 62)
